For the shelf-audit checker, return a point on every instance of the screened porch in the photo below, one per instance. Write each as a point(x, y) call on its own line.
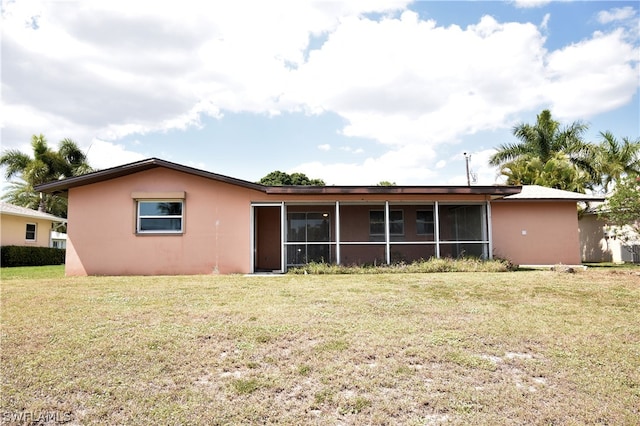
point(285, 235)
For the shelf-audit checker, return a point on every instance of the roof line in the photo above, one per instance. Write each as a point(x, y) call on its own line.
point(138, 166)
point(64, 185)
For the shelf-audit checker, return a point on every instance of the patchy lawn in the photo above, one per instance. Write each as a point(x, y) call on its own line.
point(534, 347)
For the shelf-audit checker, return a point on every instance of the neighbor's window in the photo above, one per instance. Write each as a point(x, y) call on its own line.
point(160, 217)
point(376, 222)
point(30, 234)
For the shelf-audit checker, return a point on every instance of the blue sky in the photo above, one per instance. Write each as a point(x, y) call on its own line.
point(350, 92)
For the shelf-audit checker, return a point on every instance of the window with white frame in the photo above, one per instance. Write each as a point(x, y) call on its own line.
point(376, 222)
point(160, 217)
point(30, 232)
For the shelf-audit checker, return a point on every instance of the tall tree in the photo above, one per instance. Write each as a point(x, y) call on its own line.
point(46, 165)
point(278, 178)
point(546, 140)
point(615, 159)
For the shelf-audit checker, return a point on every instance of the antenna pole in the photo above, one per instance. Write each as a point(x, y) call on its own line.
point(466, 160)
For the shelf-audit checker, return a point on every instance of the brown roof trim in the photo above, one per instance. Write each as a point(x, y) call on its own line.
point(131, 168)
point(64, 185)
point(477, 190)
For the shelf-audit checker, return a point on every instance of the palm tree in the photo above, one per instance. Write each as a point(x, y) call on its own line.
point(615, 160)
point(46, 165)
point(544, 140)
point(557, 172)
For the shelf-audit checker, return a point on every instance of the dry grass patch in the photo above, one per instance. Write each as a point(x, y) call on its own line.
point(532, 347)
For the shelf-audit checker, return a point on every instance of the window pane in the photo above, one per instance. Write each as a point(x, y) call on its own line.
point(160, 208)
point(396, 222)
point(424, 222)
point(30, 231)
point(160, 224)
point(376, 222)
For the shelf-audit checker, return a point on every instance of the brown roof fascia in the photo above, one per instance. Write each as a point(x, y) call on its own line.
point(467, 190)
point(131, 168)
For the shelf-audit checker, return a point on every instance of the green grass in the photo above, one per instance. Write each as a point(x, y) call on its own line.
point(534, 347)
point(32, 272)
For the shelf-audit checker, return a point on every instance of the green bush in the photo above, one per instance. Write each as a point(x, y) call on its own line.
point(431, 265)
point(30, 256)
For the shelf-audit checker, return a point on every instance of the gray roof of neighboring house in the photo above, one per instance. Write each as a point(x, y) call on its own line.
point(542, 193)
point(11, 209)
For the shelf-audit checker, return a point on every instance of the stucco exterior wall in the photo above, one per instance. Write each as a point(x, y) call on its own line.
point(13, 231)
point(536, 233)
point(593, 244)
point(102, 238)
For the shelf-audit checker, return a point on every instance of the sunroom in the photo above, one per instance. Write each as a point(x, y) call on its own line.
point(289, 234)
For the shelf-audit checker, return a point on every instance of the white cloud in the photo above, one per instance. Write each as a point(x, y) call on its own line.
point(616, 14)
point(405, 166)
point(409, 83)
point(103, 155)
point(545, 21)
point(531, 3)
point(596, 75)
point(324, 147)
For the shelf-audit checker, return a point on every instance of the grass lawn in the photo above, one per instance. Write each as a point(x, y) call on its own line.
point(534, 347)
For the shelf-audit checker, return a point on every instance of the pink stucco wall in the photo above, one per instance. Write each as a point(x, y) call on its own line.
point(102, 239)
point(536, 233)
point(101, 231)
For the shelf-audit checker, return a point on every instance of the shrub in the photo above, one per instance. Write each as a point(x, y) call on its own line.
point(432, 265)
point(30, 256)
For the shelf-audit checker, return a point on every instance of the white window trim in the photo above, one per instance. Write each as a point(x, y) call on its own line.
point(35, 232)
point(164, 231)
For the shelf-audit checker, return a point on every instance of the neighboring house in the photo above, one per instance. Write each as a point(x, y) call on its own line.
point(26, 227)
point(156, 217)
point(600, 242)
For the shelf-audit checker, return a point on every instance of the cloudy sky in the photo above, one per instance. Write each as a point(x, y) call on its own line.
point(352, 92)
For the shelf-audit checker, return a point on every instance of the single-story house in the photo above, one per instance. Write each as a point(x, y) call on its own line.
point(156, 217)
point(26, 227)
point(600, 241)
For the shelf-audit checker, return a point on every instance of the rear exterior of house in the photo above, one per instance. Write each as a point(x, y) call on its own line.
point(21, 226)
point(155, 217)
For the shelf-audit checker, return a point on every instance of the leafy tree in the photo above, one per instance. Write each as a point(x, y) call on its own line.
point(278, 178)
point(547, 142)
point(615, 159)
point(386, 183)
point(622, 208)
point(557, 172)
point(46, 165)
